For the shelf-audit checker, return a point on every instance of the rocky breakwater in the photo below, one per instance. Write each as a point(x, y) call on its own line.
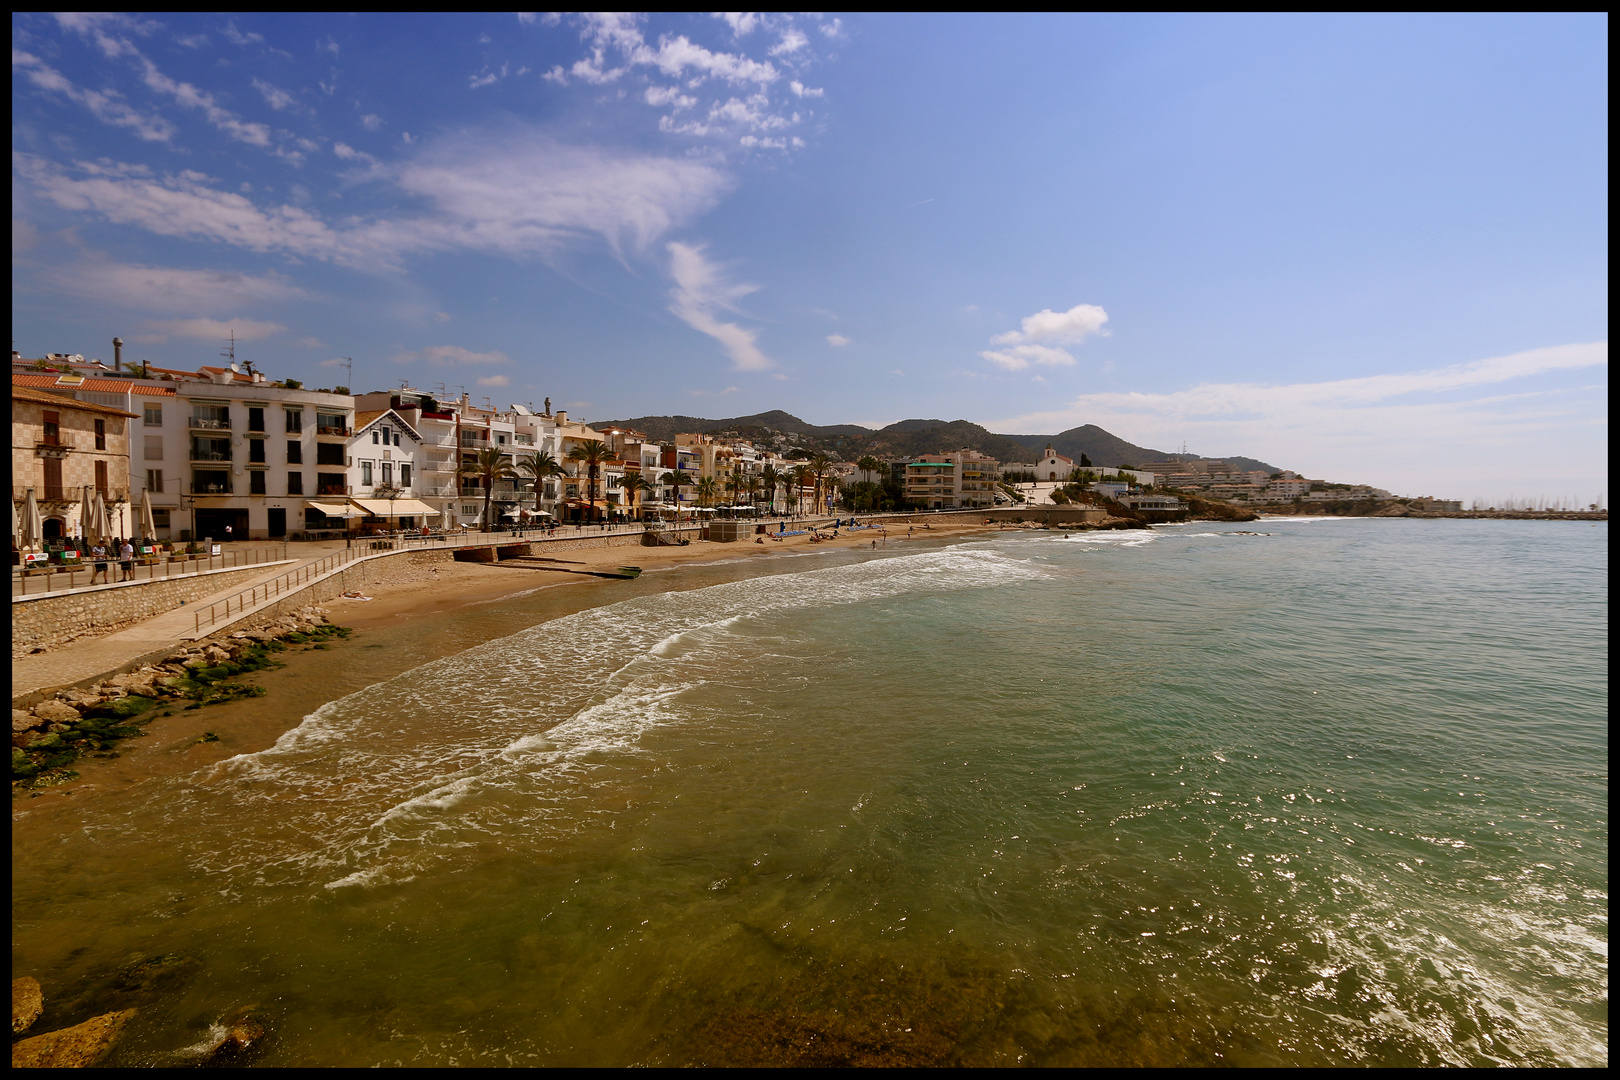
point(47, 739)
point(116, 998)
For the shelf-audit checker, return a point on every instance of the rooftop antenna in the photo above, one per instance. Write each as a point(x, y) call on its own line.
point(348, 372)
point(230, 350)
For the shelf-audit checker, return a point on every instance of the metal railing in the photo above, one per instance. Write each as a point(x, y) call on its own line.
point(60, 578)
point(211, 423)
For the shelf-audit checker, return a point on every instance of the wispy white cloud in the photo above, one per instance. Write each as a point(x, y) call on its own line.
point(700, 293)
point(837, 340)
point(1422, 428)
point(105, 105)
point(1040, 336)
point(274, 96)
point(445, 355)
point(163, 288)
point(512, 191)
point(201, 329)
point(494, 380)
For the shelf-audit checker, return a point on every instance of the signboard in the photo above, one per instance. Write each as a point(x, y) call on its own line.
point(69, 556)
point(33, 557)
point(214, 550)
point(147, 550)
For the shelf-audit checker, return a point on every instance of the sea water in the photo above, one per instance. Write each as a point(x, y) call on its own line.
point(1301, 791)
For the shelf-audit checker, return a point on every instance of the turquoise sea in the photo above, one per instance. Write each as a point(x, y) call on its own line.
point(1298, 791)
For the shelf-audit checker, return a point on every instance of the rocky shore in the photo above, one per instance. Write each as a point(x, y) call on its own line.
point(47, 739)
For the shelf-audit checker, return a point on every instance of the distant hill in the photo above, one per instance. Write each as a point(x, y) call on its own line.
point(912, 437)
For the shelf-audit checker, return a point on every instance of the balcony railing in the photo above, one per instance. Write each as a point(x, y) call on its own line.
point(210, 455)
point(333, 489)
point(211, 423)
point(474, 438)
point(337, 430)
point(216, 487)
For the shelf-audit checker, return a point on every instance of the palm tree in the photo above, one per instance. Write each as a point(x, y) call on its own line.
point(707, 488)
point(490, 465)
point(736, 480)
point(819, 464)
point(592, 453)
point(770, 480)
point(870, 464)
point(539, 466)
point(802, 475)
point(632, 485)
point(675, 481)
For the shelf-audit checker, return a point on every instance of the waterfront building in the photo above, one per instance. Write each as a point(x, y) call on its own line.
point(946, 481)
point(60, 447)
point(1053, 465)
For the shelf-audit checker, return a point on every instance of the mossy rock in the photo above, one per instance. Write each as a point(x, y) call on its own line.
point(22, 766)
point(296, 637)
point(122, 708)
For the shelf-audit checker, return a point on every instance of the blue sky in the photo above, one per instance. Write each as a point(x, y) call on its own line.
point(1369, 248)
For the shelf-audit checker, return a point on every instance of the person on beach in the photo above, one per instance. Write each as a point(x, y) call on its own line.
point(126, 560)
point(99, 554)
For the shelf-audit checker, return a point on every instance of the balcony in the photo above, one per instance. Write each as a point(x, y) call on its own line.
point(333, 489)
point(474, 438)
point(211, 487)
point(339, 431)
point(210, 423)
point(210, 455)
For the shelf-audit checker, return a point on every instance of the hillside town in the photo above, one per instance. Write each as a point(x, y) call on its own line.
point(228, 453)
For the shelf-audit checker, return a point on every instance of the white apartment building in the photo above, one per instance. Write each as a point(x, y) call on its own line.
point(383, 471)
point(220, 448)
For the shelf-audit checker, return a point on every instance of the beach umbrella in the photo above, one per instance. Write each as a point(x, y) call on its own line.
point(148, 528)
point(98, 515)
point(86, 516)
point(32, 528)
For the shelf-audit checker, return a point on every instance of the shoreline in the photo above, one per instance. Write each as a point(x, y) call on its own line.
point(406, 620)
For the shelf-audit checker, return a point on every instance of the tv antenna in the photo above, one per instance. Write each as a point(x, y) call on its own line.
point(348, 372)
point(230, 350)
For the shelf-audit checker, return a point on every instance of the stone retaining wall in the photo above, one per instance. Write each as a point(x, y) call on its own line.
point(47, 622)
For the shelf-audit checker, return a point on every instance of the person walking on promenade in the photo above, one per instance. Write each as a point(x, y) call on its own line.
point(99, 555)
point(126, 560)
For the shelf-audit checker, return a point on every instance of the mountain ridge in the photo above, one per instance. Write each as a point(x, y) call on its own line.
point(918, 436)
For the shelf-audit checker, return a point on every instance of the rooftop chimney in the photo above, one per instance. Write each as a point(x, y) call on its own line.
point(118, 354)
point(562, 417)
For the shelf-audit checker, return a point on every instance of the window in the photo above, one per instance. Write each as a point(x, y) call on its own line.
point(53, 429)
point(396, 438)
point(330, 424)
point(101, 434)
point(154, 416)
point(388, 472)
point(210, 416)
point(255, 418)
point(256, 451)
point(154, 480)
point(295, 420)
point(210, 449)
point(330, 484)
point(473, 509)
point(160, 517)
point(365, 473)
point(376, 437)
point(295, 453)
point(329, 453)
point(404, 475)
point(154, 448)
point(295, 483)
point(256, 482)
point(101, 477)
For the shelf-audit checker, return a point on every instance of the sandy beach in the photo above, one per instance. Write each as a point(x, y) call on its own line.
point(403, 623)
point(423, 591)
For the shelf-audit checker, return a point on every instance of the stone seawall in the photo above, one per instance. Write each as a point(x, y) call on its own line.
point(48, 622)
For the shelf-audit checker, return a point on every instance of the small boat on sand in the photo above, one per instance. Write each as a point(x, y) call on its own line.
point(629, 571)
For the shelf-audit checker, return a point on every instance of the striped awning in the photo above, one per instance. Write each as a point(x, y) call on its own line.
point(398, 508)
